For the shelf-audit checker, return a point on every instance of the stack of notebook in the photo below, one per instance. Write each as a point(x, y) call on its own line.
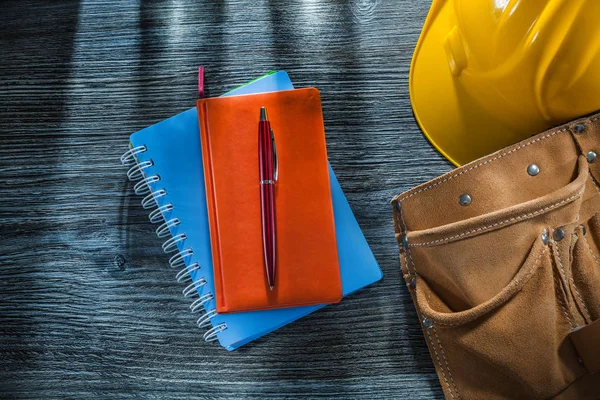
point(200, 182)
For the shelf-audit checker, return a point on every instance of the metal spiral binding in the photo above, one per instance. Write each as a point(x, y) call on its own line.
point(170, 245)
point(150, 200)
point(178, 259)
point(204, 320)
point(185, 273)
point(211, 334)
point(157, 214)
point(130, 155)
point(164, 229)
point(201, 301)
point(192, 287)
point(197, 305)
point(143, 186)
point(136, 172)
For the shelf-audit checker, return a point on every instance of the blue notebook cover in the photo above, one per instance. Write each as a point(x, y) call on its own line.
point(173, 145)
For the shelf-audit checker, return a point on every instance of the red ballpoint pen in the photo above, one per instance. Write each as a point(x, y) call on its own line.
point(267, 161)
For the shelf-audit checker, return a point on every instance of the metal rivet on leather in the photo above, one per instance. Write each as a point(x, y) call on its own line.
point(579, 128)
point(533, 170)
point(559, 234)
point(427, 323)
point(464, 200)
point(591, 156)
point(545, 237)
point(398, 206)
point(404, 241)
point(412, 283)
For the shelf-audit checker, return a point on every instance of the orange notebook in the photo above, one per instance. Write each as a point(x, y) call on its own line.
point(308, 270)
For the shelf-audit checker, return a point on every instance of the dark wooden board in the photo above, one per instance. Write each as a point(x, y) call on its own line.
point(88, 305)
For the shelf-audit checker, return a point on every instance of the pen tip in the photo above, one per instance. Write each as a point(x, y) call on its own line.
point(263, 114)
point(271, 288)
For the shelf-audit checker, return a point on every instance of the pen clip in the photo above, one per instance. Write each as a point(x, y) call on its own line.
point(275, 159)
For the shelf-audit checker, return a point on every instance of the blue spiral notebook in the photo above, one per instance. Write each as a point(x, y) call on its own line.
point(169, 169)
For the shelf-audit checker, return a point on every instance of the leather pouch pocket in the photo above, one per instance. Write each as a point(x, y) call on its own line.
point(585, 261)
point(515, 342)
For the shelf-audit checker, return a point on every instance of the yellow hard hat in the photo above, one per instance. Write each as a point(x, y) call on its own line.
point(488, 73)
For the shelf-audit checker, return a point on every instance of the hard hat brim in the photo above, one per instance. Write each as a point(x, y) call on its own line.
point(455, 124)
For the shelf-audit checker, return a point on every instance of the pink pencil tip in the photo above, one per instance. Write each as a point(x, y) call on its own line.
point(201, 82)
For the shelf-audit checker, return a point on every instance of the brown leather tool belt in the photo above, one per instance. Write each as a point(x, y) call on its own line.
point(502, 259)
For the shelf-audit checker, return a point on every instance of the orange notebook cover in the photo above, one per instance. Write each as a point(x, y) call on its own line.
point(307, 267)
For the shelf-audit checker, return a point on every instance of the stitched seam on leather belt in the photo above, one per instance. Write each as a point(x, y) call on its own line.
point(491, 160)
point(594, 182)
point(439, 362)
point(408, 259)
point(590, 249)
point(570, 278)
point(483, 228)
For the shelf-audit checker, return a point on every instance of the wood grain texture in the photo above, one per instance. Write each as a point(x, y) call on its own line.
point(88, 305)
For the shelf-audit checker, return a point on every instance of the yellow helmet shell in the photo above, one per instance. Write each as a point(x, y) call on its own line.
point(488, 73)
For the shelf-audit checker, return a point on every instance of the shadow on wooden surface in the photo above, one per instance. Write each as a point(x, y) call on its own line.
point(88, 305)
